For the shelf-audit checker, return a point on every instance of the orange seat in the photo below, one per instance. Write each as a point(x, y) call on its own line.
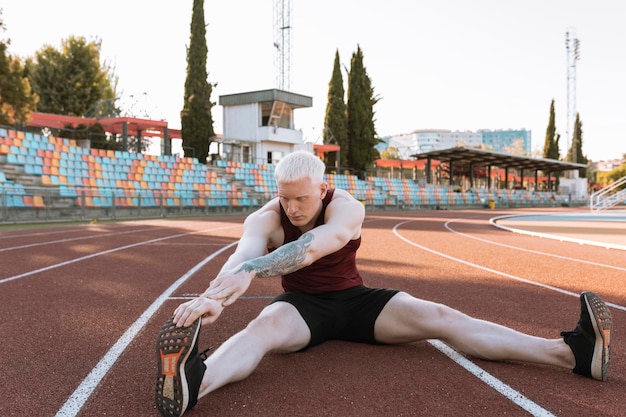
point(38, 202)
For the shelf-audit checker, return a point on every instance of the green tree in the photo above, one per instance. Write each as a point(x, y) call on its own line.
point(336, 118)
point(516, 147)
point(606, 178)
point(70, 81)
point(575, 152)
point(196, 120)
point(17, 100)
point(551, 143)
point(390, 153)
point(362, 137)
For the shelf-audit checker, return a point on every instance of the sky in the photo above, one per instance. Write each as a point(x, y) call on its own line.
point(434, 64)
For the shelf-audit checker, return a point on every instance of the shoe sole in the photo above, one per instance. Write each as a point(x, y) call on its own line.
point(602, 323)
point(173, 348)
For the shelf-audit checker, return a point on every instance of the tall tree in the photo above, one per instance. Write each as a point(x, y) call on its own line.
point(575, 152)
point(362, 137)
point(17, 100)
point(336, 118)
point(551, 143)
point(71, 81)
point(196, 119)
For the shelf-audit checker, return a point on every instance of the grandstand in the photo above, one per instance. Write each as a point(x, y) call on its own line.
point(51, 178)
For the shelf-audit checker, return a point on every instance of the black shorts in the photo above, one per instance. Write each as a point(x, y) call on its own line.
point(341, 315)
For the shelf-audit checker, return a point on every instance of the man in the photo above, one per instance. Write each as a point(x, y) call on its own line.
point(309, 235)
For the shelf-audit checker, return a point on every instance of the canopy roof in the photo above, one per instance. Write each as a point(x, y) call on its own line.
point(501, 160)
point(114, 125)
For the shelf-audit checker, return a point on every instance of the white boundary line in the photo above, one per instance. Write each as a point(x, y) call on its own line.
point(93, 255)
point(82, 393)
point(491, 242)
point(501, 387)
point(494, 222)
point(71, 239)
point(493, 271)
point(504, 389)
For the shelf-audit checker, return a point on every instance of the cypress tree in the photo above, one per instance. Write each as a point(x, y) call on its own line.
point(362, 137)
point(196, 120)
point(336, 119)
point(551, 143)
point(575, 152)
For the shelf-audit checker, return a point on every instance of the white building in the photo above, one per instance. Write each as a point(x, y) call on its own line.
point(421, 141)
point(259, 126)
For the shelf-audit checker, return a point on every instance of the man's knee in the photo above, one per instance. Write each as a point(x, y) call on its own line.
point(281, 327)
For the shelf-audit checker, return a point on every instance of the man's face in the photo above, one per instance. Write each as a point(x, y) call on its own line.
point(302, 201)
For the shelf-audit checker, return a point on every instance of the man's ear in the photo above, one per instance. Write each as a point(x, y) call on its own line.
point(323, 189)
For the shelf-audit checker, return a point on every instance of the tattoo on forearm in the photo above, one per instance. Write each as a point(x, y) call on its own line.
point(287, 258)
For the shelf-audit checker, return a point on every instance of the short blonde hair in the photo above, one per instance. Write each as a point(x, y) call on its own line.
point(299, 165)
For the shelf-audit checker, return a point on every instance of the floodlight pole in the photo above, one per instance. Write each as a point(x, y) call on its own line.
point(572, 48)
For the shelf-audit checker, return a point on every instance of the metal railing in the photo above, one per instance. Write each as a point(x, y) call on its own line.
point(609, 196)
point(35, 204)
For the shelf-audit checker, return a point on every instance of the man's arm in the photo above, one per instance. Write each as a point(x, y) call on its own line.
point(344, 217)
point(257, 230)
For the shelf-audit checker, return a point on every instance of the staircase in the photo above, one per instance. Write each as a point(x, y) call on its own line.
point(609, 196)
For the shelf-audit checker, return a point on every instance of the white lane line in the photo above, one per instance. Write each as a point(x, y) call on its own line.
point(243, 297)
point(51, 242)
point(93, 255)
point(520, 230)
point(493, 271)
point(504, 389)
point(82, 393)
point(446, 225)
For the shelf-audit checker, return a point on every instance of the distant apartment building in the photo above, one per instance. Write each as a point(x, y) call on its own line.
point(507, 141)
point(606, 166)
point(420, 141)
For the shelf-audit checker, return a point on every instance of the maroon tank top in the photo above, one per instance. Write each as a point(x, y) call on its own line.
point(334, 272)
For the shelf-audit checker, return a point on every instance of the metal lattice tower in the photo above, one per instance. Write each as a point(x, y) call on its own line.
point(282, 44)
point(572, 47)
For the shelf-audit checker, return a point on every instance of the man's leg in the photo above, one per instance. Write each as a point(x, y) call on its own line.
point(407, 319)
point(182, 376)
point(279, 328)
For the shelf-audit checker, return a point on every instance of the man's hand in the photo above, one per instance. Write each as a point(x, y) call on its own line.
point(186, 313)
point(229, 286)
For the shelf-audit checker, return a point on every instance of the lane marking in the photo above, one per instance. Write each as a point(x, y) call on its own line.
point(498, 385)
point(243, 297)
point(64, 230)
point(82, 393)
point(106, 252)
point(520, 230)
point(512, 394)
point(528, 250)
point(71, 239)
point(493, 271)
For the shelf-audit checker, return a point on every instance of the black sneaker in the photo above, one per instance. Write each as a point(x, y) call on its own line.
point(591, 339)
point(180, 368)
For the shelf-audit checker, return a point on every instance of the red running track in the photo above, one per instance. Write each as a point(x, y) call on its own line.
point(81, 307)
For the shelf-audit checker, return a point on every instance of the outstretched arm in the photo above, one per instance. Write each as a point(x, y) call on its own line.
point(253, 243)
point(344, 217)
